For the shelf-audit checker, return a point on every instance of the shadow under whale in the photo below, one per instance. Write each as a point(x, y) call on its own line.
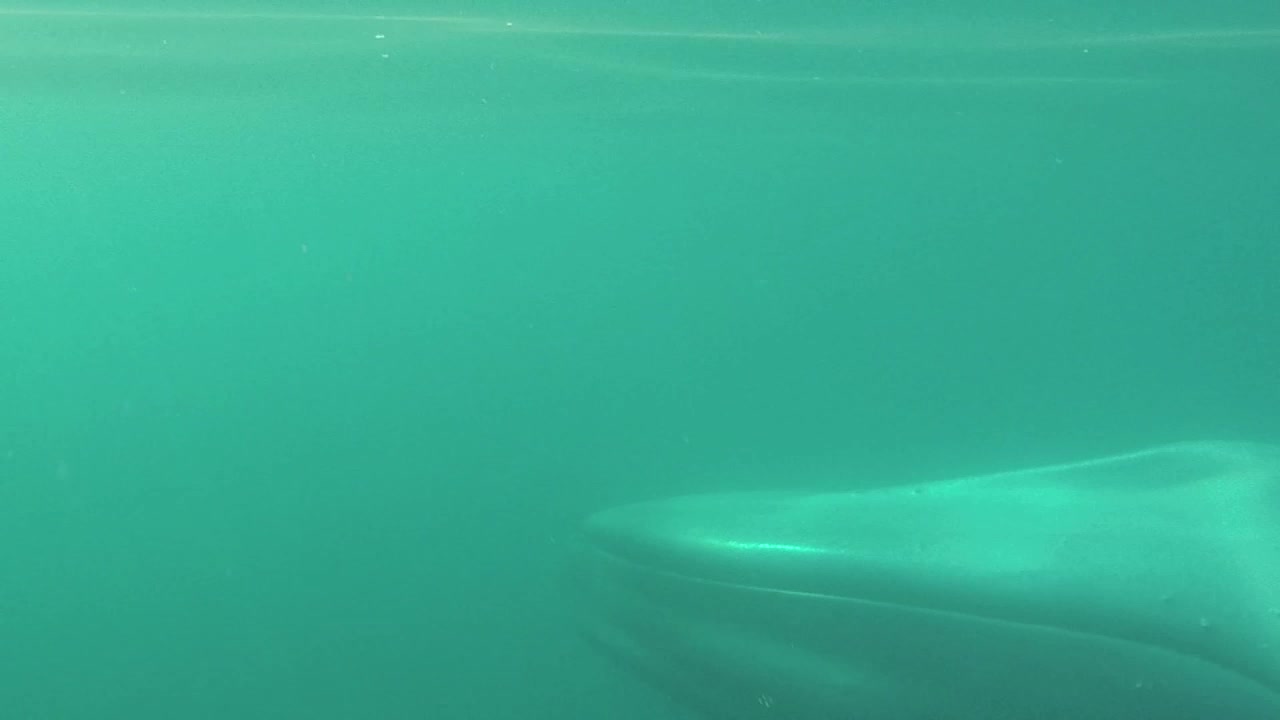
point(1144, 585)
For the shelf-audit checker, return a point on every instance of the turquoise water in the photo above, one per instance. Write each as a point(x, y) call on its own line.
point(320, 326)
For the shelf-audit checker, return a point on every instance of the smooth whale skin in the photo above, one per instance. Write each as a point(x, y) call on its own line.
point(1144, 586)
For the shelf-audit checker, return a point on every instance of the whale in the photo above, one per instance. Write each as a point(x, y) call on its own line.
point(1143, 585)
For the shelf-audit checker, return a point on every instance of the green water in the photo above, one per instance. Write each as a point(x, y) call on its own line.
point(319, 330)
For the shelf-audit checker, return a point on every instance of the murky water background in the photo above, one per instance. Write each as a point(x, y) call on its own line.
point(319, 329)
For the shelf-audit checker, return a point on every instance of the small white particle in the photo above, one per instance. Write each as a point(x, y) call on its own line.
point(379, 36)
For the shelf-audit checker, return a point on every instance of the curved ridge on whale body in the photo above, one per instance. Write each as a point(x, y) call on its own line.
point(1144, 585)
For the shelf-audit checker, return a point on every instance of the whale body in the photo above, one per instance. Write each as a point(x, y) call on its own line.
point(1139, 586)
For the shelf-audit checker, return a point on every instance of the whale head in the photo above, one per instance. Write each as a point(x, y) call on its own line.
point(1145, 585)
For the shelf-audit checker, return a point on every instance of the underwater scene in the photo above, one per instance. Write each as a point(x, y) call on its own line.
point(648, 361)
